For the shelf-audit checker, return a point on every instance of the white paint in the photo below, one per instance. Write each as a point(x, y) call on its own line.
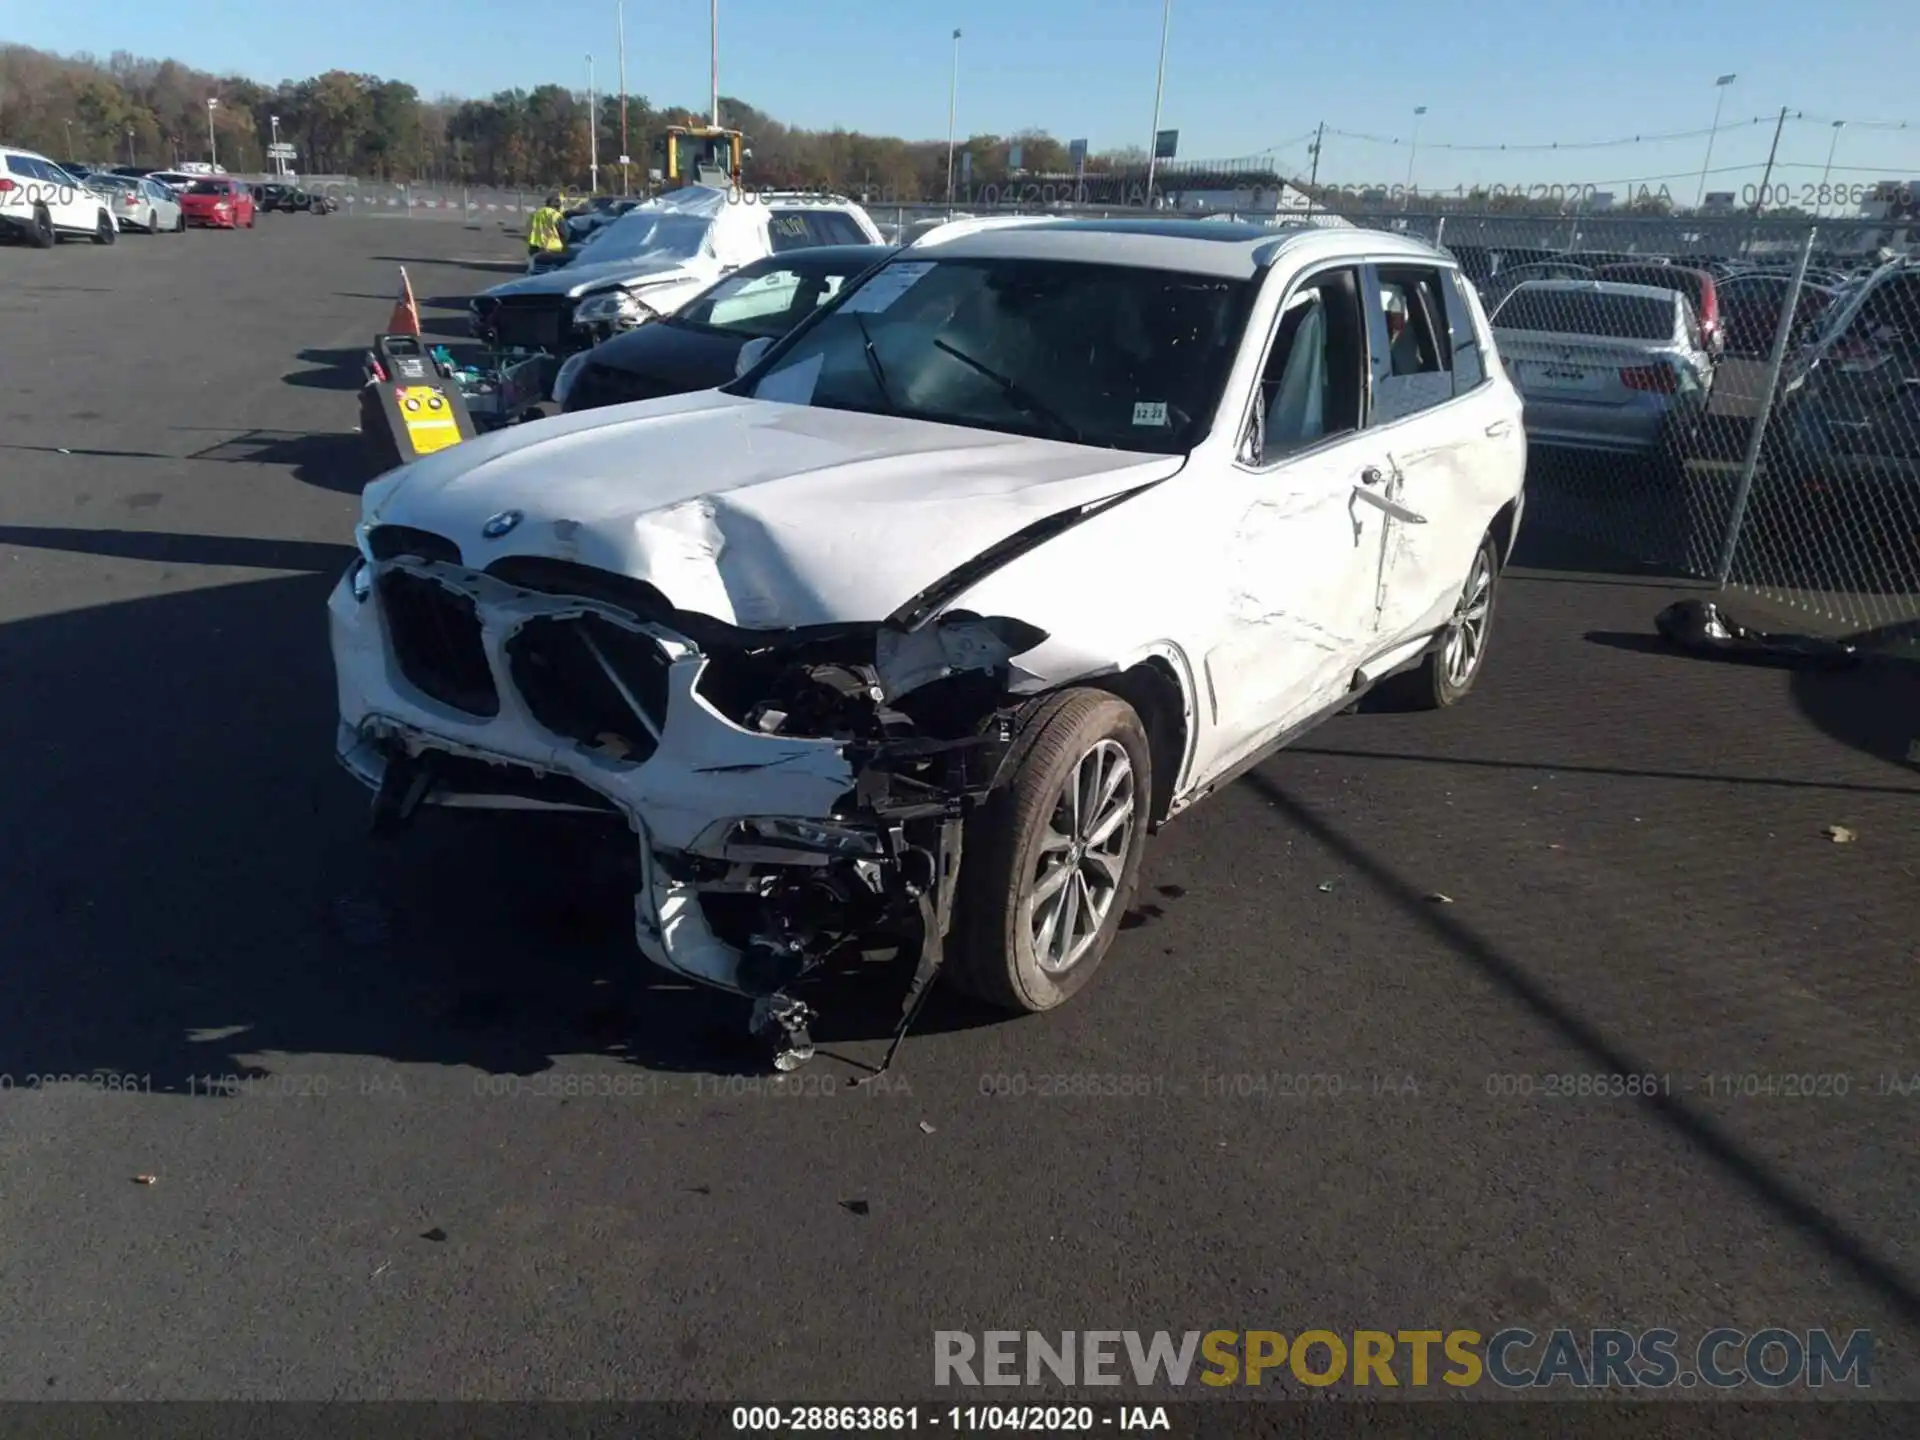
point(1262, 590)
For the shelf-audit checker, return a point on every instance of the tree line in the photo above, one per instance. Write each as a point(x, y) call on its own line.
point(129, 110)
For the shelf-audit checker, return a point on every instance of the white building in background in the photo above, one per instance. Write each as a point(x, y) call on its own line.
point(1252, 201)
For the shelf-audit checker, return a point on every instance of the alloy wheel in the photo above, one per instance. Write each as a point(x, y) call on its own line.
point(1467, 632)
point(1083, 855)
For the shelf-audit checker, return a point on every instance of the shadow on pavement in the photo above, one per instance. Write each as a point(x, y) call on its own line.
point(1874, 709)
point(333, 370)
point(229, 905)
point(491, 267)
point(1705, 1135)
point(336, 461)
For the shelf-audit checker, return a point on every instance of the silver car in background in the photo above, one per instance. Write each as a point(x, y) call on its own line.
point(140, 204)
point(1605, 366)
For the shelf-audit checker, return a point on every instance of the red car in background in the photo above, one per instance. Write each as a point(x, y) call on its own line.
point(225, 204)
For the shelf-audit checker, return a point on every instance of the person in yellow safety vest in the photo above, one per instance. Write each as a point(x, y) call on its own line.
point(543, 229)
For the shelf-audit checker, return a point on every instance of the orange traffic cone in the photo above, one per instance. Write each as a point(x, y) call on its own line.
point(405, 319)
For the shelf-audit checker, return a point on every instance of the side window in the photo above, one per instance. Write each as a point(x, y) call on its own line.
point(788, 231)
point(768, 295)
point(1315, 374)
point(1412, 359)
point(1469, 362)
point(830, 227)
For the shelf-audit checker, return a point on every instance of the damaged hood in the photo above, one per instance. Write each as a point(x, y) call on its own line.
point(578, 278)
point(759, 514)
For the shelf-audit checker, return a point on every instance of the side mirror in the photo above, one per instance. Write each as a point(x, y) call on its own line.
point(751, 355)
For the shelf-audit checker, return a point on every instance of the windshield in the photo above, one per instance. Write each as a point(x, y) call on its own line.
point(207, 187)
point(1583, 312)
point(766, 302)
point(1130, 359)
point(665, 234)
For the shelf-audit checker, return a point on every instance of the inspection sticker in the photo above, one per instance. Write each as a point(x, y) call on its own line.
point(1150, 412)
point(879, 293)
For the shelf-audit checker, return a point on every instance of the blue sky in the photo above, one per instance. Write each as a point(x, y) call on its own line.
point(1241, 75)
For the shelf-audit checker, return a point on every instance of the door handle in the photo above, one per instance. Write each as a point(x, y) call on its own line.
point(1499, 428)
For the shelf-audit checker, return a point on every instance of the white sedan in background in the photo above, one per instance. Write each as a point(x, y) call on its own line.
point(141, 203)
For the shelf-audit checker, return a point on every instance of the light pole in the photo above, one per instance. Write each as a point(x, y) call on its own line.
point(620, 16)
point(130, 160)
point(714, 54)
point(69, 125)
point(953, 96)
point(1159, 88)
point(1721, 86)
point(279, 165)
point(1414, 151)
point(213, 149)
point(1838, 125)
point(593, 136)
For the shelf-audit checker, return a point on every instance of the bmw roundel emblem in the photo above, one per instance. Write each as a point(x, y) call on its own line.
point(501, 524)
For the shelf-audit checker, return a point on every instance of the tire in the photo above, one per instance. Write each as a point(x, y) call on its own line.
point(180, 222)
point(105, 232)
point(153, 222)
point(1073, 737)
point(1438, 682)
point(42, 236)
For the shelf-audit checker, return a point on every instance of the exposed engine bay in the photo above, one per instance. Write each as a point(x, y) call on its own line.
point(797, 797)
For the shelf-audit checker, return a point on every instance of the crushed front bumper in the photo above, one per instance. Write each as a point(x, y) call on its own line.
point(808, 834)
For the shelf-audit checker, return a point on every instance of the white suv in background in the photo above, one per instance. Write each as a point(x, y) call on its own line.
point(905, 639)
point(39, 202)
point(654, 259)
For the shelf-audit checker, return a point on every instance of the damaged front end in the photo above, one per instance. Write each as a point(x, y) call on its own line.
point(796, 797)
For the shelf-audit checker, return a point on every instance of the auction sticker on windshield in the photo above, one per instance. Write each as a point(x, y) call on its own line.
point(1150, 412)
point(880, 292)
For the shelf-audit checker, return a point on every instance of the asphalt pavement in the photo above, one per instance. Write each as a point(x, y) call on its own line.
point(412, 1119)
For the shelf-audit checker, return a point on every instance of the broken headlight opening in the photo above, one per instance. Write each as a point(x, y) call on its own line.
point(785, 840)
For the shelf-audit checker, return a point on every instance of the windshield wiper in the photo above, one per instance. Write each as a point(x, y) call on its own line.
point(873, 363)
point(1021, 397)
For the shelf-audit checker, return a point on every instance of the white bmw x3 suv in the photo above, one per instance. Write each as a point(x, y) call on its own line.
point(904, 640)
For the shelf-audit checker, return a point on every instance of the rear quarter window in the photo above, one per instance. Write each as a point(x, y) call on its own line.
point(1579, 312)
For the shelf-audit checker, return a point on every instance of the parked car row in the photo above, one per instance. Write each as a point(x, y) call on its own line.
point(43, 201)
point(1607, 364)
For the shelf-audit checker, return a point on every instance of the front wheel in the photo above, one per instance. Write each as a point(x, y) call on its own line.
point(180, 222)
point(42, 235)
point(1445, 677)
point(153, 222)
point(1053, 857)
point(105, 232)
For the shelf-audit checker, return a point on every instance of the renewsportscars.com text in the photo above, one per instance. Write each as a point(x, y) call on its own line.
point(1511, 1358)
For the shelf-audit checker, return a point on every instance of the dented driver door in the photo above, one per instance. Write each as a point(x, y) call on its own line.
point(1300, 571)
